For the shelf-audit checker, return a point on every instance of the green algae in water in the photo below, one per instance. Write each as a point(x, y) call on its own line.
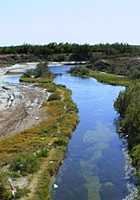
point(93, 186)
point(92, 183)
point(98, 140)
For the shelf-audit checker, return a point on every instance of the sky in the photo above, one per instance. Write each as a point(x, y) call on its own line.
point(80, 21)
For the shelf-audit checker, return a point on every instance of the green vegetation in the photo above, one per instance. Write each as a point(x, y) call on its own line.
point(22, 193)
point(40, 71)
point(37, 153)
point(100, 76)
point(54, 97)
point(68, 52)
point(128, 105)
point(120, 59)
point(25, 164)
point(80, 71)
point(120, 65)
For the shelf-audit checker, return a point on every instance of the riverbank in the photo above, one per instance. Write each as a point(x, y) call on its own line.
point(31, 158)
point(128, 106)
point(102, 77)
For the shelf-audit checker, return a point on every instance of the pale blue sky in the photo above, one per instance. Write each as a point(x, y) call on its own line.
point(81, 21)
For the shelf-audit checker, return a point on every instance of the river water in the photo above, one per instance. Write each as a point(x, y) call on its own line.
point(95, 167)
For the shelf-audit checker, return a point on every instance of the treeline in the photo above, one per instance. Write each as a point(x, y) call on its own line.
point(67, 51)
point(121, 59)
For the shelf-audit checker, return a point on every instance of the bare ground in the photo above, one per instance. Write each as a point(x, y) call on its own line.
point(20, 108)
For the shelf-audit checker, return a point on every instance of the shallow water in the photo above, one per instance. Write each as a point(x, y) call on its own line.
point(17, 70)
point(94, 167)
point(10, 79)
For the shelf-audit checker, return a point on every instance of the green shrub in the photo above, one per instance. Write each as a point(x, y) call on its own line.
point(134, 73)
point(40, 71)
point(25, 164)
point(60, 142)
point(43, 152)
point(54, 97)
point(79, 71)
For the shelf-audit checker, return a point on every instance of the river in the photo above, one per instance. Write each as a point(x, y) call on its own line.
point(96, 164)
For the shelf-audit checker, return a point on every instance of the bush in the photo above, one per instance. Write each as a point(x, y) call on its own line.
point(40, 71)
point(80, 71)
point(43, 152)
point(25, 164)
point(134, 73)
point(60, 142)
point(54, 97)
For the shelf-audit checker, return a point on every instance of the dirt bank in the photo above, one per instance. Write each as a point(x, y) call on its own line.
point(20, 107)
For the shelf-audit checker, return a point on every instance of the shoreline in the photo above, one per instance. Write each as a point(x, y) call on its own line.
point(102, 77)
